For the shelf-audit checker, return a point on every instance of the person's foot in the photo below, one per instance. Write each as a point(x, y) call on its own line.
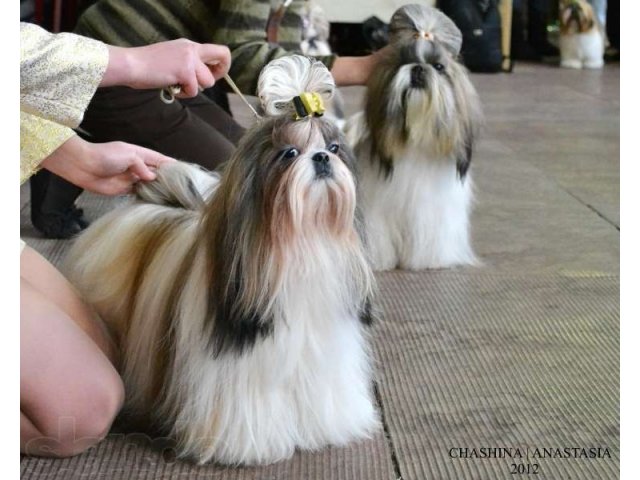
point(60, 225)
point(611, 54)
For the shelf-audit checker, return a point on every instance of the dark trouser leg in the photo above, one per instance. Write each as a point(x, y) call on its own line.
point(219, 96)
point(216, 116)
point(539, 14)
point(520, 48)
point(195, 130)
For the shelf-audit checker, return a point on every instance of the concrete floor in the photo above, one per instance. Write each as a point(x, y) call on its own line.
point(519, 353)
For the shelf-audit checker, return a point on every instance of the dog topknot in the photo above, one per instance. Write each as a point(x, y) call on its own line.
point(287, 77)
point(413, 21)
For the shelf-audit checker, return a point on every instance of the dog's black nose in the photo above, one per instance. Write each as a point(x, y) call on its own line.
point(320, 157)
point(418, 76)
point(321, 165)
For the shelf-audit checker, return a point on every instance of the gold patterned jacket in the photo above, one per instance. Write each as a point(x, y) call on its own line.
point(59, 73)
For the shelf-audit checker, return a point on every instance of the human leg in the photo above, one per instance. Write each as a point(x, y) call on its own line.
point(600, 9)
point(70, 391)
point(216, 116)
point(540, 12)
point(50, 283)
point(194, 130)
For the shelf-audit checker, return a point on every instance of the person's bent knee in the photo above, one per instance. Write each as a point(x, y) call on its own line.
point(94, 421)
point(70, 433)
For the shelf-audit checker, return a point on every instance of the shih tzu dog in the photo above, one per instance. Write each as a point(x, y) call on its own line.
point(581, 36)
point(414, 142)
point(315, 30)
point(241, 303)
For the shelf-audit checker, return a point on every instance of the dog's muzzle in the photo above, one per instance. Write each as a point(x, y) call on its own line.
point(575, 16)
point(418, 77)
point(321, 165)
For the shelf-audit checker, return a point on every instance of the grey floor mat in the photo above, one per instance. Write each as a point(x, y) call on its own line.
point(499, 361)
point(125, 457)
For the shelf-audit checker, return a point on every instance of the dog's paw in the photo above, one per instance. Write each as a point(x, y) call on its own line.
point(575, 64)
point(594, 63)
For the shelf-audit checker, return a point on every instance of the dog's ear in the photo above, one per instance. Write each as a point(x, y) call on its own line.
point(236, 326)
point(235, 316)
point(389, 134)
point(365, 313)
point(385, 164)
point(471, 119)
point(463, 161)
point(580, 24)
point(379, 125)
point(384, 115)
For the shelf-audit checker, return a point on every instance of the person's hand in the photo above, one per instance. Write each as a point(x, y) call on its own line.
point(178, 62)
point(107, 168)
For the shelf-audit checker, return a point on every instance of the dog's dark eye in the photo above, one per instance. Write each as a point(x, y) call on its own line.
point(438, 66)
point(334, 147)
point(291, 153)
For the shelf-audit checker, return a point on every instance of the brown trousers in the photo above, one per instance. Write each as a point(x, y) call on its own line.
point(195, 130)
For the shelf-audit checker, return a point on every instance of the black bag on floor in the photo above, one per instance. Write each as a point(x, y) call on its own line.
point(479, 22)
point(375, 32)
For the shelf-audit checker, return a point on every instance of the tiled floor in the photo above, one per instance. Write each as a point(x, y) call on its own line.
point(519, 353)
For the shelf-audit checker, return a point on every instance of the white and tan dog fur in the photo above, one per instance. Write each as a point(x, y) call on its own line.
point(581, 36)
point(241, 303)
point(414, 142)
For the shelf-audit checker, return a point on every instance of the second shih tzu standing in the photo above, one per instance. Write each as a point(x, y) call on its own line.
point(241, 303)
point(581, 36)
point(414, 141)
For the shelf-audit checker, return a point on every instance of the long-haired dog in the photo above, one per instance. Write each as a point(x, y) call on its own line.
point(315, 30)
point(414, 142)
point(581, 36)
point(241, 303)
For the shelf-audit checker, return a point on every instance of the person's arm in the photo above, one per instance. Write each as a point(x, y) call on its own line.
point(352, 70)
point(59, 73)
point(356, 70)
point(107, 168)
point(177, 62)
point(38, 139)
point(242, 25)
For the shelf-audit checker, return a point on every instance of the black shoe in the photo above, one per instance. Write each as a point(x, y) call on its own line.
point(53, 210)
point(611, 55)
point(60, 225)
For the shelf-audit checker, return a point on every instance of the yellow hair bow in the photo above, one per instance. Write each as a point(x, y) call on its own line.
point(308, 103)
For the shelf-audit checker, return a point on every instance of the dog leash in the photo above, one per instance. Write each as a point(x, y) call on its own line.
point(168, 94)
point(235, 88)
